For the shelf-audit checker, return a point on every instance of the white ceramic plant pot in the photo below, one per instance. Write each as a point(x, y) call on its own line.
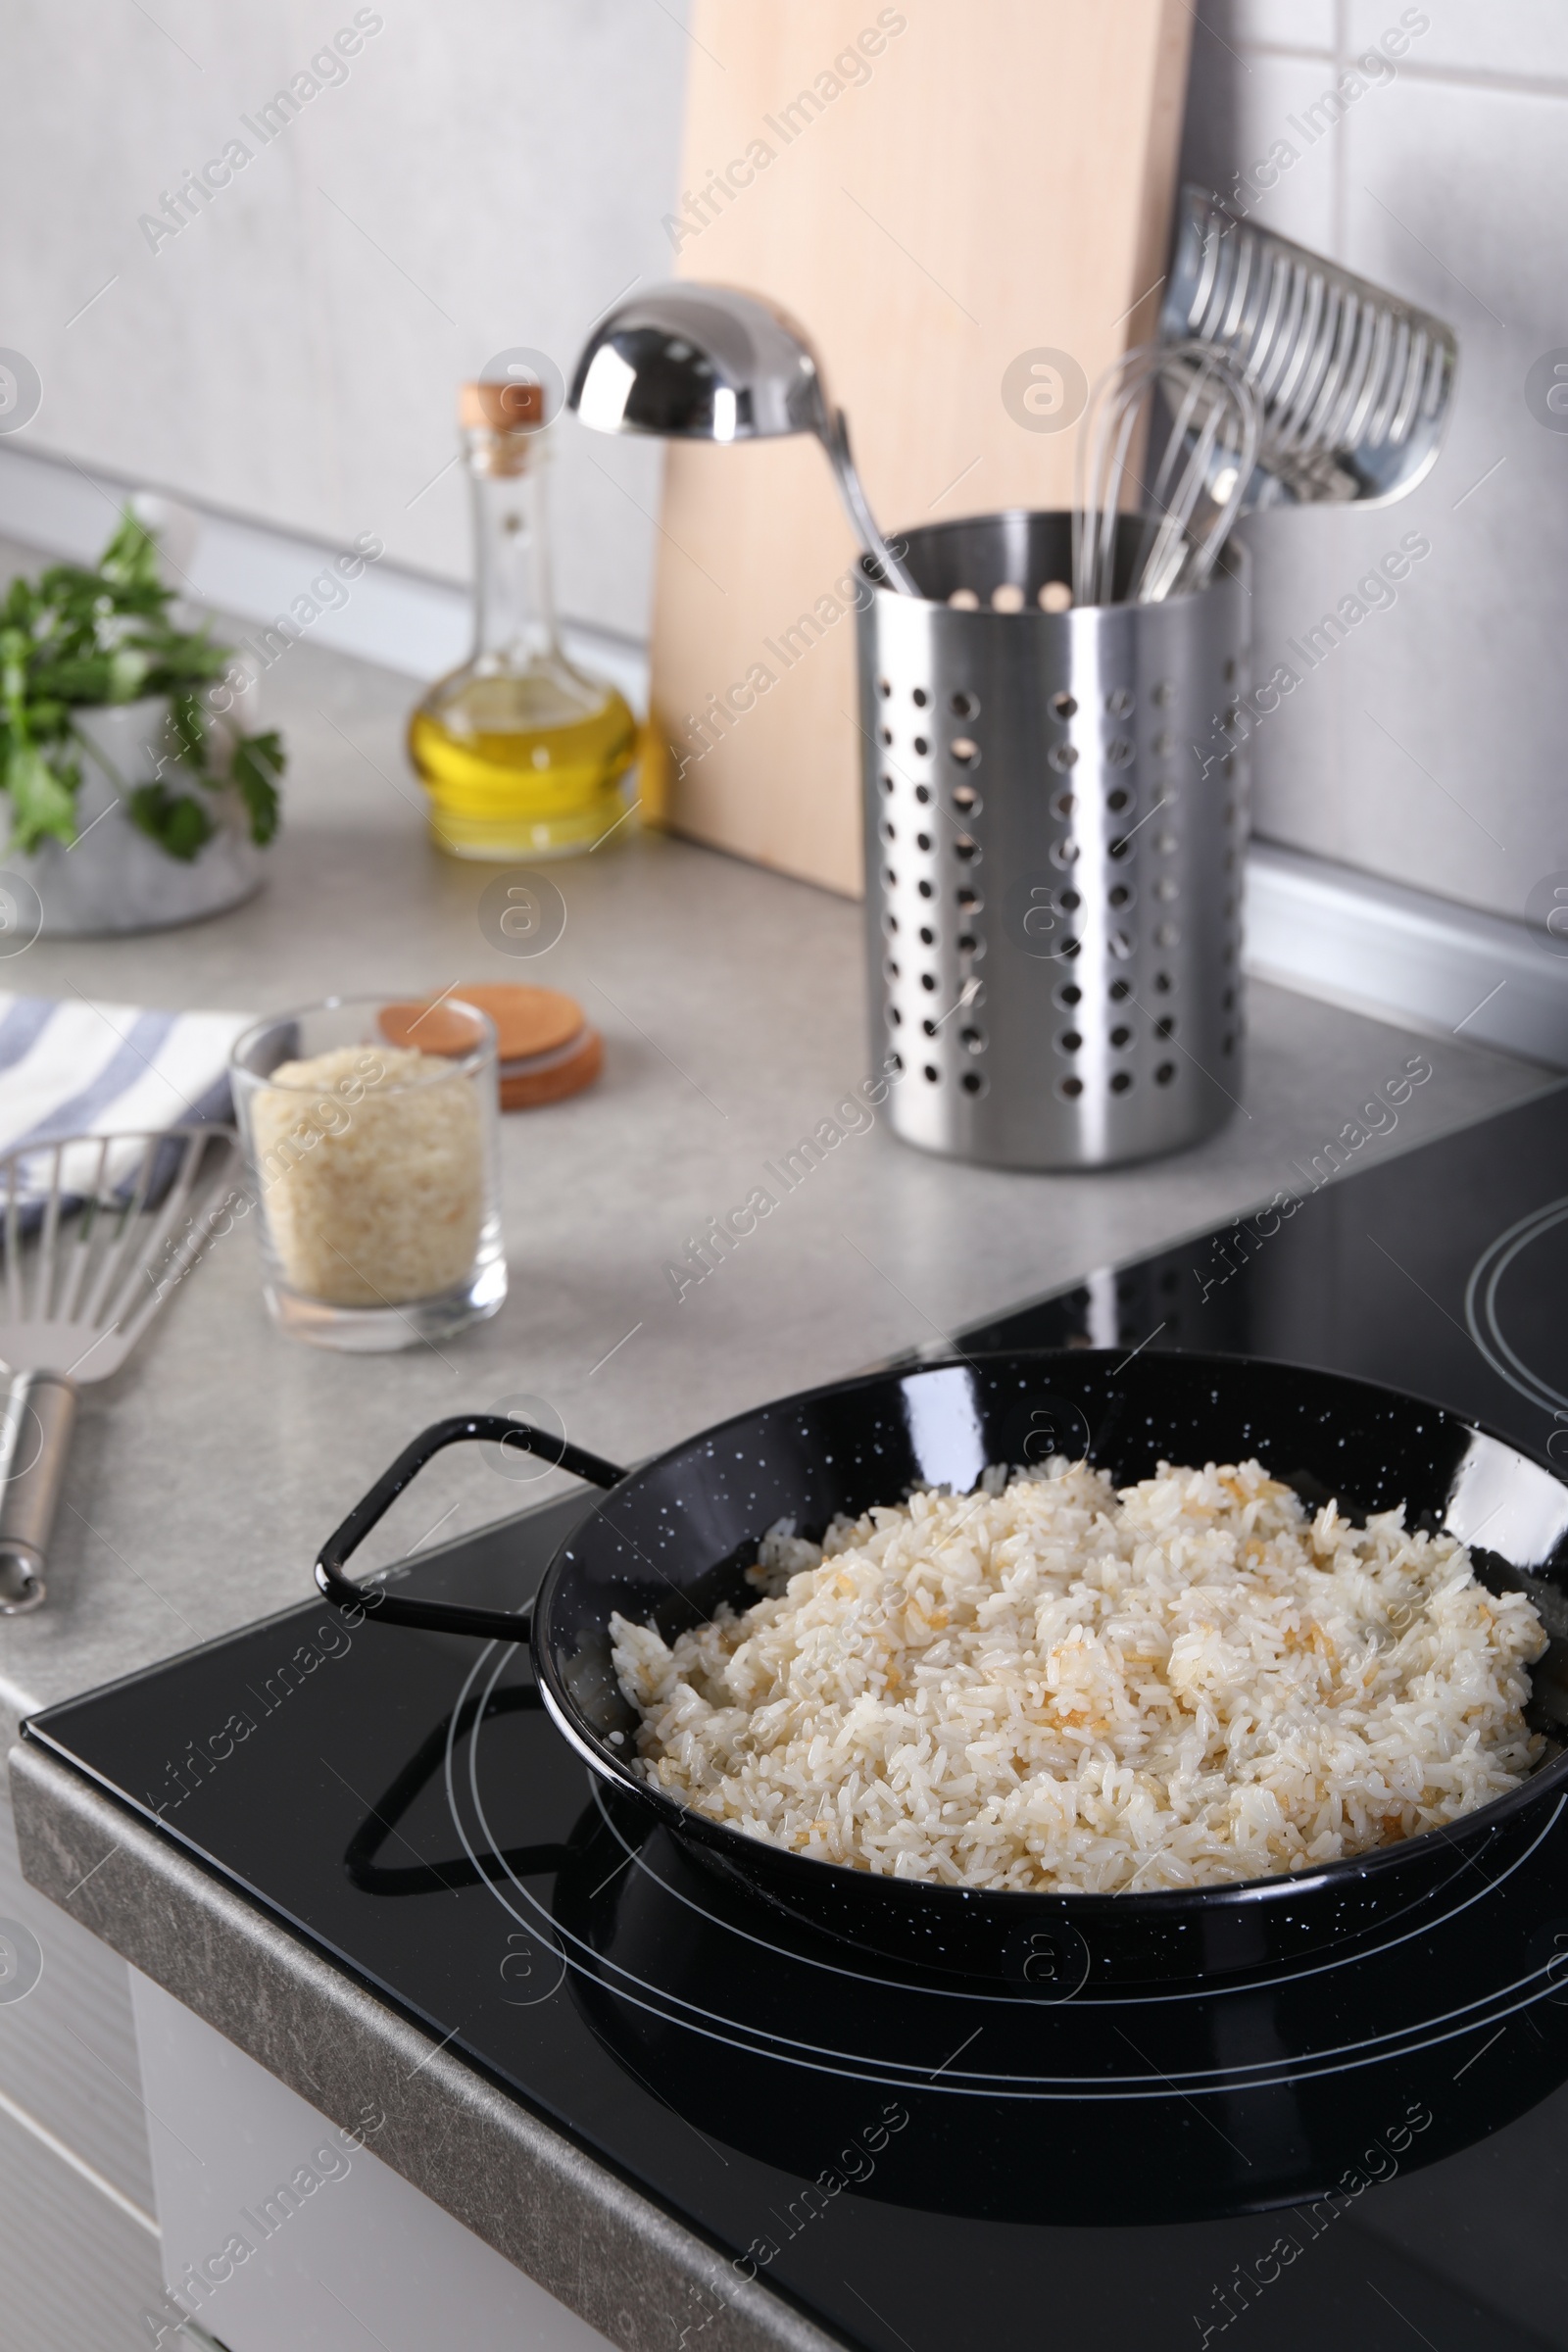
point(112, 877)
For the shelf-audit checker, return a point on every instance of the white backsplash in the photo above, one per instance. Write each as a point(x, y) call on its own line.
point(1428, 747)
point(486, 176)
point(483, 176)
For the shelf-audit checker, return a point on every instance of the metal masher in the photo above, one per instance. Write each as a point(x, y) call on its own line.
point(1351, 389)
point(96, 1233)
point(1354, 384)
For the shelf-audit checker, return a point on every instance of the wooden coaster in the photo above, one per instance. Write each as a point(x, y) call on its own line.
point(547, 1077)
point(545, 1047)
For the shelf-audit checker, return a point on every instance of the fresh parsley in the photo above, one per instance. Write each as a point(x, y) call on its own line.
point(75, 639)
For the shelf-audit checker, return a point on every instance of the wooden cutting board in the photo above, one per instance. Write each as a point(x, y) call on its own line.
point(941, 193)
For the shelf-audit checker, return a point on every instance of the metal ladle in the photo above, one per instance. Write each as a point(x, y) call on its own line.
point(710, 364)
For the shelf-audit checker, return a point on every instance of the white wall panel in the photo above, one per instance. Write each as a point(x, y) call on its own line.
point(486, 176)
point(1427, 749)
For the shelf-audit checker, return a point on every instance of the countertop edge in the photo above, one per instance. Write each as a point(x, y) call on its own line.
point(600, 2247)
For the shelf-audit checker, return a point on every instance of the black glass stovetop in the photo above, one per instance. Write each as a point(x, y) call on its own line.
point(1375, 2143)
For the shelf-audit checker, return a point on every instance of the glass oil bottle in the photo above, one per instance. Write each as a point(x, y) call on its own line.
point(523, 755)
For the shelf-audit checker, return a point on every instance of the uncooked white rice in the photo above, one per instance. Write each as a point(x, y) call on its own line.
point(371, 1161)
point(1049, 1683)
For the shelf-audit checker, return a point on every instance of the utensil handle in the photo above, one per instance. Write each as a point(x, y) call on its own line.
point(438, 1616)
point(835, 438)
point(40, 1413)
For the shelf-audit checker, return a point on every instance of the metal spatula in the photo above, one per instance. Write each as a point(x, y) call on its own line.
point(96, 1232)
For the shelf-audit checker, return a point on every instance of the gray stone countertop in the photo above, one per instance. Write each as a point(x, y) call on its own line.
point(206, 1473)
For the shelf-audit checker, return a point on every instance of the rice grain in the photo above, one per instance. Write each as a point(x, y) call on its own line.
point(1049, 1683)
point(372, 1175)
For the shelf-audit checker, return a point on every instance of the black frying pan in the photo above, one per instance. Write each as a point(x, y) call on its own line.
point(671, 1540)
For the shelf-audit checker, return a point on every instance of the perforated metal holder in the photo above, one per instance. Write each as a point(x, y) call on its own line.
point(1056, 809)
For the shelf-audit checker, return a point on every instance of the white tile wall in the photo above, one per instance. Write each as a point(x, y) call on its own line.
point(492, 175)
point(1255, 95)
point(1523, 38)
point(486, 176)
point(1282, 24)
point(1429, 747)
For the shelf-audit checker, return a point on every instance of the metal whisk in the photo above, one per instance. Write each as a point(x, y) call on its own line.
point(1196, 494)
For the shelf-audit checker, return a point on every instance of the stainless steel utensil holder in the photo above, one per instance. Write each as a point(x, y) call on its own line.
point(1055, 813)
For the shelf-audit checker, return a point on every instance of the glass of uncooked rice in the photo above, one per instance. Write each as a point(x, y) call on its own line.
point(371, 1134)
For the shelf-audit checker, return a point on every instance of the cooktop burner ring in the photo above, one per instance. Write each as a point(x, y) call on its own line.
point(485, 1876)
point(1482, 1316)
point(597, 1969)
point(1236, 2076)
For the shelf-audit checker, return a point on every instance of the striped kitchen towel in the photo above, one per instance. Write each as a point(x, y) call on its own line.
point(72, 1068)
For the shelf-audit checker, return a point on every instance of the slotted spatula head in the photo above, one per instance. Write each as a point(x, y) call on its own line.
point(95, 1231)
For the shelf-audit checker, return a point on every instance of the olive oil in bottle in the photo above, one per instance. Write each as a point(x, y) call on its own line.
point(523, 755)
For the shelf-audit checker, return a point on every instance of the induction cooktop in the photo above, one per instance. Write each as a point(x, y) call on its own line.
point(1374, 2141)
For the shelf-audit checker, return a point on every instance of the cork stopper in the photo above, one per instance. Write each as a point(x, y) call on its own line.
point(504, 408)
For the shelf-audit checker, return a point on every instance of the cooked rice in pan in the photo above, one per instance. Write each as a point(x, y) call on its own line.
point(1050, 1683)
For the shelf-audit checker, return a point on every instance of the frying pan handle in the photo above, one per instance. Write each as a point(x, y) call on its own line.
point(439, 1616)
